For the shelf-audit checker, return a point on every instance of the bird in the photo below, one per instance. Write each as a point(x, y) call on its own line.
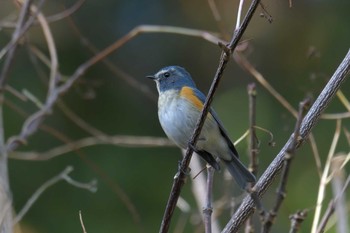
point(179, 107)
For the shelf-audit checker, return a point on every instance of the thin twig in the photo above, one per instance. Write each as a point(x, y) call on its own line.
point(265, 13)
point(179, 179)
point(253, 141)
point(289, 155)
point(253, 144)
point(81, 222)
point(199, 188)
point(61, 176)
point(310, 120)
point(323, 181)
point(208, 209)
point(118, 140)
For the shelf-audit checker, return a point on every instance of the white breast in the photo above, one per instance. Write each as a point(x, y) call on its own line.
point(178, 118)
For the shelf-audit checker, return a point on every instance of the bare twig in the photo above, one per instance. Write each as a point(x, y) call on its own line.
point(179, 180)
point(323, 181)
point(265, 13)
point(334, 116)
point(61, 176)
point(199, 188)
point(296, 220)
point(289, 155)
point(253, 144)
point(6, 220)
point(81, 222)
point(253, 141)
point(208, 209)
point(118, 140)
point(316, 154)
point(308, 123)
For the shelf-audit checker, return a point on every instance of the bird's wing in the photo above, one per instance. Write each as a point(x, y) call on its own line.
point(202, 98)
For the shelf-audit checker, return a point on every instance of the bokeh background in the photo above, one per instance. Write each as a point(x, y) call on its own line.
point(297, 53)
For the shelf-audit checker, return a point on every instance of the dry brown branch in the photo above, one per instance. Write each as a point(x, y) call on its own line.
point(307, 125)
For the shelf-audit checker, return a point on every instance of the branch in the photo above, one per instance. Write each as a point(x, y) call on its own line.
point(310, 120)
point(208, 209)
point(253, 144)
point(81, 222)
point(323, 181)
point(199, 189)
point(119, 140)
point(62, 176)
point(179, 179)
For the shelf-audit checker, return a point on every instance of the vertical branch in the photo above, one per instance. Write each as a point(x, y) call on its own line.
point(208, 209)
point(253, 145)
point(199, 190)
point(5, 193)
point(323, 181)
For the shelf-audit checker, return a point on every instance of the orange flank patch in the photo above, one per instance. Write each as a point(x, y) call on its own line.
point(188, 93)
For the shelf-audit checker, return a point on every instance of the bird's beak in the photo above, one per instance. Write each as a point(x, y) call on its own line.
point(151, 77)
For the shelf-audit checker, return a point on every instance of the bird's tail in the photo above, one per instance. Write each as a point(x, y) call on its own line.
point(239, 172)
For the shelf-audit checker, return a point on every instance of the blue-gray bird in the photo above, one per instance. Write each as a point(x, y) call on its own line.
point(179, 107)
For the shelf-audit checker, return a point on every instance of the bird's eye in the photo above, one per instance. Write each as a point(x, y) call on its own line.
point(166, 74)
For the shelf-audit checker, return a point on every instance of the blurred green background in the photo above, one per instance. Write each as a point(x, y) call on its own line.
point(279, 50)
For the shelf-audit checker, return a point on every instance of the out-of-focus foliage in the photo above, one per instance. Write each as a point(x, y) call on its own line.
point(296, 53)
